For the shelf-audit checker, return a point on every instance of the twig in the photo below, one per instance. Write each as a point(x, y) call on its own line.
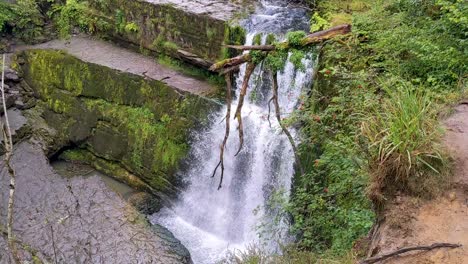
point(407, 249)
point(53, 244)
point(8, 153)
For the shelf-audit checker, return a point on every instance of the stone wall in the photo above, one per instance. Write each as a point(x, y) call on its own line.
point(143, 125)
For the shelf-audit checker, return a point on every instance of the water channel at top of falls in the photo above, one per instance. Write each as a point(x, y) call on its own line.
point(210, 222)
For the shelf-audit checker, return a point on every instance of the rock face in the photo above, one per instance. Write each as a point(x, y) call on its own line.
point(123, 119)
point(77, 220)
point(193, 31)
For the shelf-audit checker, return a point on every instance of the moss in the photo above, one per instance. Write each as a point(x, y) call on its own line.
point(142, 124)
point(198, 34)
point(233, 35)
point(257, 40)
point(107, 167)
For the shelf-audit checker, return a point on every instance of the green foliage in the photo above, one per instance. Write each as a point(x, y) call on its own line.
point(24, 17)
point(296, 58)
point(317, 22)
point(276, 61)
point(329, 205)
point(403, 144)
point(255, 254)
point(6, 14)
point(131, 27)
point(75, 14)
point(433, 51)
point(403, 59)
point(295, 38)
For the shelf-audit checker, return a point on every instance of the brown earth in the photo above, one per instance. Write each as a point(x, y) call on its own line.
point(411, 222)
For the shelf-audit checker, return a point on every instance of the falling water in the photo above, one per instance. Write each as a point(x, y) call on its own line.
point(209, 221)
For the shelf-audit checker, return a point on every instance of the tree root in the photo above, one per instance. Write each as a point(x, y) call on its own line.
point(228, 79)
point(407, 249)
point(283, 127)
point(248, 72)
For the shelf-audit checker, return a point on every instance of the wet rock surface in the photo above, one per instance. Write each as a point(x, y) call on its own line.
point(134, 123)
point(78, 220)
point(106, 54)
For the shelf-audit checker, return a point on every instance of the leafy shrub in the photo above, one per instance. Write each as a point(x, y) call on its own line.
point(24, 18)
point(77, 14)
point(403, 135)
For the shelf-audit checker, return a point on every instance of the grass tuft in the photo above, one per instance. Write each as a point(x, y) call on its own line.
point(406, 154)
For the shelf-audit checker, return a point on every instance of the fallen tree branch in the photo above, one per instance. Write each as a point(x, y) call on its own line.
point(407, 249)
point(312, 38)
point(8, 143)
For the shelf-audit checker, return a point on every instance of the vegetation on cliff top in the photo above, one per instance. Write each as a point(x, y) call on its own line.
point(370, 125)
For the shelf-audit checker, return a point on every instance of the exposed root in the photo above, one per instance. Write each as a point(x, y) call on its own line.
point(407, 249)
point(248, 72)
point(283, 127)
point(226, 135)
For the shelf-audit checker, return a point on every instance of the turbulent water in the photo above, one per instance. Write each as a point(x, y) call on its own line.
point(209, 222)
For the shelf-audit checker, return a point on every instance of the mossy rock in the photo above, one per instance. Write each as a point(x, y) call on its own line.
point(172, 29)
point(141, 124)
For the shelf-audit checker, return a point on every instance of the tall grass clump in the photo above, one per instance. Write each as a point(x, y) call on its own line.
point(404, 135)
point(254, 254)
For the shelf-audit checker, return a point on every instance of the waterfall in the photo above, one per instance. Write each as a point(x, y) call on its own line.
point(209, 221)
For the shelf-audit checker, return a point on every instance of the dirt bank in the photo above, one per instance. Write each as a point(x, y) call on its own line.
point(411, 222)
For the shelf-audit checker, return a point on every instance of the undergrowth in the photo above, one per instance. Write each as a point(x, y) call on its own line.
point(404, 145)
point(370, 125)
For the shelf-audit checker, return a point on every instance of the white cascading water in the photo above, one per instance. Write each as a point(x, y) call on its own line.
point(209, 222)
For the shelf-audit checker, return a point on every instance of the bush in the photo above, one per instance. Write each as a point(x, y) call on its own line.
point(404, 144)
point(24, 19)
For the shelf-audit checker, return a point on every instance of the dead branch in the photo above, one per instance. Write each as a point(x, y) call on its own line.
point(312, 38)
point(407, 249)
point(283, 127)
point(323, 35)
point(231, 62)
point(228, 79)
point(8, 142)
point(253, 47)
point(248, 72)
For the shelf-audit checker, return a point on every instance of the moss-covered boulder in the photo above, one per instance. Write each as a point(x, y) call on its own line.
point(191, 31)
point(139, 123)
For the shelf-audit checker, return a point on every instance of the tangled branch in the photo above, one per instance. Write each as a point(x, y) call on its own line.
point(226, 67)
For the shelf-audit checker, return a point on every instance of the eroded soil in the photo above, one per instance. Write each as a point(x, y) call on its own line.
point(445, 219)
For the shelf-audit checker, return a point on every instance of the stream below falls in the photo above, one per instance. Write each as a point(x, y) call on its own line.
point(211, 222)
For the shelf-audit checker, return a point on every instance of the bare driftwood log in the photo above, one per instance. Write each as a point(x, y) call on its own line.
point(407, 249)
